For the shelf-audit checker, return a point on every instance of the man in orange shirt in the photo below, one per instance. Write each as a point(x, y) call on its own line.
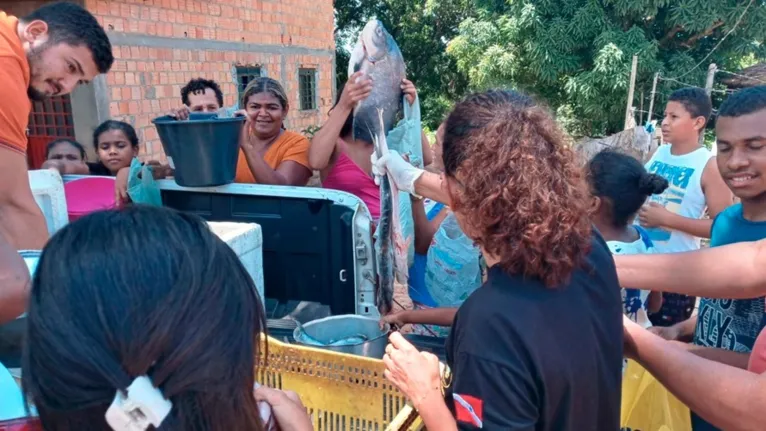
point(46, 53)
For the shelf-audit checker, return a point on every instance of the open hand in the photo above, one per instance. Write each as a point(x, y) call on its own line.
point(653, 215)
point(357, 88)
point(415, 373)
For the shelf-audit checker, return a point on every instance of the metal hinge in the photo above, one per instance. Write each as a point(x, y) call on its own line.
point(361, 252)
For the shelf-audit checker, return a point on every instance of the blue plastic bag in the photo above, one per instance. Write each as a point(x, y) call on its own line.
point(453, 271)
point(142, 188)
point(405, 138)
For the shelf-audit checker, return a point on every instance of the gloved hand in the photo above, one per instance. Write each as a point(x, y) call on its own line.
point(403, 173)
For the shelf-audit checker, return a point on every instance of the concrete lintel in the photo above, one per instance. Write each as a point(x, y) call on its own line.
point(133, 39)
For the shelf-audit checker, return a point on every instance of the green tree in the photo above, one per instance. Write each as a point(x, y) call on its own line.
point(422, 28)
point(576, 54)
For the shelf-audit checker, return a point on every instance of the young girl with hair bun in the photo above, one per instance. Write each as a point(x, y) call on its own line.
point(619, 186)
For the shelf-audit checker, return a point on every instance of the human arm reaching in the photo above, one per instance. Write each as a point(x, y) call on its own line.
point(732, 271)
point(411, 93)
point(324, 143)
point(409, 178)
point(431, 316)
point(22, 223)
point(692, 379)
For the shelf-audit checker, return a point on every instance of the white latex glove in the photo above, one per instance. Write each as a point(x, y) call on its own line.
point(403, 173)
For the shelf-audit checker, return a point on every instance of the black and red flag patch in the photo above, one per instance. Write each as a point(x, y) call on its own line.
point(469, 410)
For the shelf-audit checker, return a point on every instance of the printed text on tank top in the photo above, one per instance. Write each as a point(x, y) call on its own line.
point(684, 196)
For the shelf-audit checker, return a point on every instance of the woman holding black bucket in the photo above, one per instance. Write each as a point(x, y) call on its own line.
point(269, 154)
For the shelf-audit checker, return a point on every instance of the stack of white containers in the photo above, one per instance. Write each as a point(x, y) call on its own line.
point(247, 242)
point(48, 190)
point(244, 238)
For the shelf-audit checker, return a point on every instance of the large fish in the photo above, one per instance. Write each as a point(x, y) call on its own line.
point(390, 244)
point(378, 56)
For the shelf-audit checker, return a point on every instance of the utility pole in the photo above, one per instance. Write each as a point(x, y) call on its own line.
point(633, 69)
point(654, 91)
point(711, 70)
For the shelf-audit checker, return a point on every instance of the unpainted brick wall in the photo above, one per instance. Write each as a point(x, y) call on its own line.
point(146, 81)
point(21, 8)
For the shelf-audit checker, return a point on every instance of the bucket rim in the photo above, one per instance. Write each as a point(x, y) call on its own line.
point(384, 332)
point(168, 120)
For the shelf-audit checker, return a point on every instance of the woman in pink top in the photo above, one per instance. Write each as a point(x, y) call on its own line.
point(344, 162)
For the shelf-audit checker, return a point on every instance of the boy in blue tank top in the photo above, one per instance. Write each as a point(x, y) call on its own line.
point(725, 329)
point(673, 219)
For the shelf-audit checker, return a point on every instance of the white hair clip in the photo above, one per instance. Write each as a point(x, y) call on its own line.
point(140, 406)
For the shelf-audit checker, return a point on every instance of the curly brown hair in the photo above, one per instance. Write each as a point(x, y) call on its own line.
point(521, 195)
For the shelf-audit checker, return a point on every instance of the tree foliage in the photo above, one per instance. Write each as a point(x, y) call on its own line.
point(576, 54)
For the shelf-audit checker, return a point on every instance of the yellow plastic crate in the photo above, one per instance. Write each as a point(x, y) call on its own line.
point(340, 391)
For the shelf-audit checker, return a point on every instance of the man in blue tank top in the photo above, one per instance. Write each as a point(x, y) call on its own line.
point(726, 329)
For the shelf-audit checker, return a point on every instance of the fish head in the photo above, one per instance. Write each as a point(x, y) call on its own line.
point(375, 41)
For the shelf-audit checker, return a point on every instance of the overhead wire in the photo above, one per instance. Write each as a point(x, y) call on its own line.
point(731, 30)
point(750, 78)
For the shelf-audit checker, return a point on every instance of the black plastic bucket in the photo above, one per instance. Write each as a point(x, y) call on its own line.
point(203, 150)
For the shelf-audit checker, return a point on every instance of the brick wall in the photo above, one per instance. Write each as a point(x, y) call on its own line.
point(159, 45)
point(21, 8)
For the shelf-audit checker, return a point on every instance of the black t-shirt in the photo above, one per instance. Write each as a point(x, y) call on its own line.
point(526, 357)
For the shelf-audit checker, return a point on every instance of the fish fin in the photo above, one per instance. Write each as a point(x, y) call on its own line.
point(383, 144)
point(356, 58)
point(379, 140)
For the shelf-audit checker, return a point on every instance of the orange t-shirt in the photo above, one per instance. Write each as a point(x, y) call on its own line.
point(14, 74)
point(290, 146)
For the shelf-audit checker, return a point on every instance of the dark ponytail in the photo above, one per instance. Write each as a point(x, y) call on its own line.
point(652, 184)
point(622, 181)
point(142, 291)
